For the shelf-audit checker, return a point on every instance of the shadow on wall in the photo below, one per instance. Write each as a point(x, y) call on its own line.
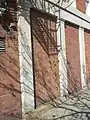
point(9, 74)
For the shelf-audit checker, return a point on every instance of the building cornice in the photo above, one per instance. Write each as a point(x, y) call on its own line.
point(71, 14)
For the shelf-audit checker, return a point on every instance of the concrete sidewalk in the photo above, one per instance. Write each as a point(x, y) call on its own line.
point(75, 107)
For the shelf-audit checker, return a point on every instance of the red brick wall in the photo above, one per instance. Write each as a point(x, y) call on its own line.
point(10, 91)
point(80, 5)
point(87, 53)
point(10, 96)
point(46, 66)
point(73, 56)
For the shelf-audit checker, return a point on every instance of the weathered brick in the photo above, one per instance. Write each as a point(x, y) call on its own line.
point(73, 57)
point(46, 66)
point(80, 5)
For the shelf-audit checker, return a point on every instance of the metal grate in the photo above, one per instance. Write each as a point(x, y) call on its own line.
point(2, 45)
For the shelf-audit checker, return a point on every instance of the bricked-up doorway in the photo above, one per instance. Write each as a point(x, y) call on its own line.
point(45, 56)
point(73, 57)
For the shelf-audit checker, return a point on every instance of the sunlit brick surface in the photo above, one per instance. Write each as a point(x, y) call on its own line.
point(73, 57)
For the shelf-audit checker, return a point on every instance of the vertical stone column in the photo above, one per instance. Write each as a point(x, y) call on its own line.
point(82, 57)
point(62, 59)
point(25, 57)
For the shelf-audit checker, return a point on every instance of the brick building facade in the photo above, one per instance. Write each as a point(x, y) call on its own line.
point(44, 53)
